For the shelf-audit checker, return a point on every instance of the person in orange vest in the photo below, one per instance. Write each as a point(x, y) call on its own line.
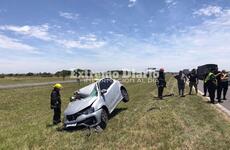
point(55, 103)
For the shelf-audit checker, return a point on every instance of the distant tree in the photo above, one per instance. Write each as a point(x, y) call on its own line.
point(29, 74)
point(63, 73)
point(46, 74)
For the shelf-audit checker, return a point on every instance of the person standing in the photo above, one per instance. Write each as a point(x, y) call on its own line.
point(211, 85)
point(224, 83)
point(161, 83)
point(193, 81)
point(181, 80)
point(219, 86)
point(55, 102)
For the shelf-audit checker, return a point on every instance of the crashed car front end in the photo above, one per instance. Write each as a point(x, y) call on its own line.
point(88, 117)
point(84, 111)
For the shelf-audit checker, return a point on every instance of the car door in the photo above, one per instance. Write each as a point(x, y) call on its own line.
point(107, 84)
point(115, 90)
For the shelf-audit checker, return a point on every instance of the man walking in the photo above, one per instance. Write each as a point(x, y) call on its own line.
point(55, 102)
point(193, 81)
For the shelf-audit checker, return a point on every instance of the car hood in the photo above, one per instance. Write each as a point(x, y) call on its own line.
point(79, 105)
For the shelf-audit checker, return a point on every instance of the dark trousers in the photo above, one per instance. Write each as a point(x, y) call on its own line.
point(181, 87)
point(219, 91)
point(191, 85)
point(160, 92)
point(224, 86)
point(211, 91)
point(205, 88)
point(57, 115)
point(181, 91)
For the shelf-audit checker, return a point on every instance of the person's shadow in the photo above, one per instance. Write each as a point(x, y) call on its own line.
point(164, 96)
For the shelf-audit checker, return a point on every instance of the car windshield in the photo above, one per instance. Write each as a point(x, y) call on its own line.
point(94, 92)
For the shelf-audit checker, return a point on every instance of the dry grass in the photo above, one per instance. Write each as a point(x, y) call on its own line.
point(143, 123)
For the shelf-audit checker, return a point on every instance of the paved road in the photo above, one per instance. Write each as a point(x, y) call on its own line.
point(226, 103)
point(33, 84)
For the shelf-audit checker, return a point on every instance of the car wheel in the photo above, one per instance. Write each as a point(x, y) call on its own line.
point(125, 95)
point(104, 119)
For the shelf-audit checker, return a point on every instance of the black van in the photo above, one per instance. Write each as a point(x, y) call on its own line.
point(203, 70)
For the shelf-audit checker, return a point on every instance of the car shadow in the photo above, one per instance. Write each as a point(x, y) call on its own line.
point(70, 129)
point(116, 111)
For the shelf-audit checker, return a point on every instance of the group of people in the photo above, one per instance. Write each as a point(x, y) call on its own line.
point(216, 81)
point(213, 81)
point(181, 81)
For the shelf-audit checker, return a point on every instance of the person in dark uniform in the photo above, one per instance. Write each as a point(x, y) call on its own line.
point(205, 85)
point(219, 86)
point(224, 83)
point(212, 85)
point(55, 103)
point(193, 81)
point(161, 83)
point(181, 80)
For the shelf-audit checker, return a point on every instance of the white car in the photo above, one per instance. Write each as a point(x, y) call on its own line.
point(92, 104)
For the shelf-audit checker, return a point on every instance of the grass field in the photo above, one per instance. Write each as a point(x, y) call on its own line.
point(18, 80)
point(143, 123)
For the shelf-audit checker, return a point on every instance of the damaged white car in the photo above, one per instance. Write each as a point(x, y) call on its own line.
point(91, 105)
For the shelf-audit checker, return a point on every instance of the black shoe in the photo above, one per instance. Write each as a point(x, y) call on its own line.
point(219, 101)
point(224, 98)
point(204, 95)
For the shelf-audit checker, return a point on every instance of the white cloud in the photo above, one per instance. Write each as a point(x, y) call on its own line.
point(14, 44)
point(40, 32)
point(84, 42)
point(68, 15)
point(132, 3)
point(89, 41)
point(209, 11)
point(170, 3)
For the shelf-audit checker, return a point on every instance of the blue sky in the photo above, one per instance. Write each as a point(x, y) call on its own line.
point(100, 35)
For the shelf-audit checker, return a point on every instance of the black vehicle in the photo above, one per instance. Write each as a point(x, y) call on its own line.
point(186, 72)
point(203, 70)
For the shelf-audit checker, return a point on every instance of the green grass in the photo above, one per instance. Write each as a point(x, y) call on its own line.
point(143, 123)
point(19, 80)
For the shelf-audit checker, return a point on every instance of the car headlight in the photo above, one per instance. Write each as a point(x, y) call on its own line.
point(88, 111)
